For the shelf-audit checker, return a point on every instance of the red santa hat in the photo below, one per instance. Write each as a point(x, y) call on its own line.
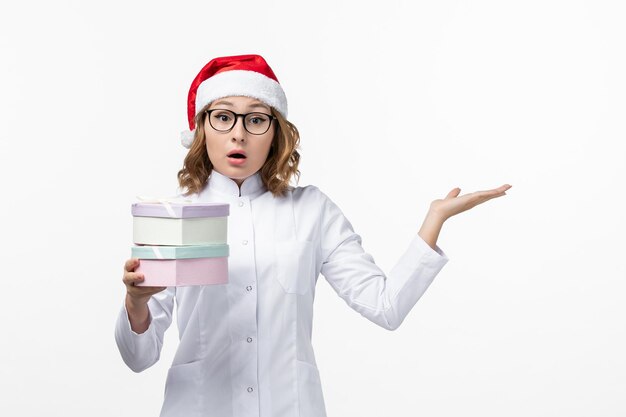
point(241, 75)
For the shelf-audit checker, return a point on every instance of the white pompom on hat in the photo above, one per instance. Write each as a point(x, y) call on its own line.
point(240, 75)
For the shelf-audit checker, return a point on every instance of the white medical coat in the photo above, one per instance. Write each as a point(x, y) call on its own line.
point(245, 347)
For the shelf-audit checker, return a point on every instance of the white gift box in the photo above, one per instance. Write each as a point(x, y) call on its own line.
point(180, 224)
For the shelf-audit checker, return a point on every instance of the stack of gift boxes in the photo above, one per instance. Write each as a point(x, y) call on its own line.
point(180, 244)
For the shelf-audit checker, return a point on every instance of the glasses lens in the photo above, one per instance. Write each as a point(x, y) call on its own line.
point(222, 119)
point(257, 123)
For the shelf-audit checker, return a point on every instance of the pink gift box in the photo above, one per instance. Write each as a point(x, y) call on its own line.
point(181, 272)
point(170, 266)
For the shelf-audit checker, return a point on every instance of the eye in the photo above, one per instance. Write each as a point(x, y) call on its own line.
point(222, 116)
point(256, 119)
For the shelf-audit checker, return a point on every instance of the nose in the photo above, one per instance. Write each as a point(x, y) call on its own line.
point(238, 131)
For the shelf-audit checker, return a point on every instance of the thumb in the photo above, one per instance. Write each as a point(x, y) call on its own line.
point(454, 193)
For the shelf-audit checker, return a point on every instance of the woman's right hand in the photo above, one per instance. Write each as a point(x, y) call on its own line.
point(137, 297)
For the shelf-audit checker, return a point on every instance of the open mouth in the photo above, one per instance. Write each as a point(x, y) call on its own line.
point(237, 156)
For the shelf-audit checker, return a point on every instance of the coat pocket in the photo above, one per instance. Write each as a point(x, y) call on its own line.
point(295, 266)
point(183, 390)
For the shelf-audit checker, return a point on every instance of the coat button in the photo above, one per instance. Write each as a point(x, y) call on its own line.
point(249, 340)
point(249, 288)
point(250, 389)
point(244, 242)
point(241, 204)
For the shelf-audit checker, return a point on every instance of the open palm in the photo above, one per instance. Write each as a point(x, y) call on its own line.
point(454, 204)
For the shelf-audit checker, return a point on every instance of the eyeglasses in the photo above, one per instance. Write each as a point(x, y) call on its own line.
point(224, 120)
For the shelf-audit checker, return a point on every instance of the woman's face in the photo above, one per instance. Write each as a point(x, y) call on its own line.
point(220, 145)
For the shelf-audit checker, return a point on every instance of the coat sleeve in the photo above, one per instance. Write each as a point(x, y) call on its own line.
point(141, 351)
point(351, 272)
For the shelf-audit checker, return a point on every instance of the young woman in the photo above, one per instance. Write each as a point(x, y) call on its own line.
point(245, 347)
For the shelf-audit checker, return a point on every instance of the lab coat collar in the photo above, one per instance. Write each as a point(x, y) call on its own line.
point(251, 187)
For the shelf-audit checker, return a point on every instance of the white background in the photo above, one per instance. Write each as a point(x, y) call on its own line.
point(526, 319)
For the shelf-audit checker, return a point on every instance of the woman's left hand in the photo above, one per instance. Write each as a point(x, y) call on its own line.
point(442, 209)
point(454, 204)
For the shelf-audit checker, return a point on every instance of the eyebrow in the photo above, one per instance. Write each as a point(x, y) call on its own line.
point(228, 103)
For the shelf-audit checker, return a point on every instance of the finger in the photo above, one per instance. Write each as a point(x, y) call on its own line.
point(500, 191)
point(501, 188)
point(131, 264)
point(130, 278)
point(454, 193)
point(480, 197)
point(488, 194)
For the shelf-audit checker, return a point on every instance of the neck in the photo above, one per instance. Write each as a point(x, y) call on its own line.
point(236, 187)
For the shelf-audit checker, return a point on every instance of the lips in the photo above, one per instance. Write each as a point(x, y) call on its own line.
point(237, 154)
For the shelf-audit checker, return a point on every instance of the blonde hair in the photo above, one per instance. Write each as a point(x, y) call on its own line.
point(276, 173)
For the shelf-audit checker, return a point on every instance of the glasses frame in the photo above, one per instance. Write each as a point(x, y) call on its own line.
point(243, 116)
